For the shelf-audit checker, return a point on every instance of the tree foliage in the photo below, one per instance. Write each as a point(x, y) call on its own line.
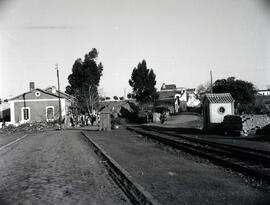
point(130, 95)
point(143, 81)
point(102, 98)
point(84, 80)
point(243, 92)
point(202, 89)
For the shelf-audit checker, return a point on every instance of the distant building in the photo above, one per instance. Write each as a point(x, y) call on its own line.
point(176, 99)
point(37, 105)
point(168, 87)
point(193, 101)
point(263, 92)
point(262, 104)
point(262, 101)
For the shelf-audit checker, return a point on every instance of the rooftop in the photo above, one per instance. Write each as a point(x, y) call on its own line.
point(168, 86)
point(219, 97)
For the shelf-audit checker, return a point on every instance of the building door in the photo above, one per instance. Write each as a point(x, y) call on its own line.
point(50, 113)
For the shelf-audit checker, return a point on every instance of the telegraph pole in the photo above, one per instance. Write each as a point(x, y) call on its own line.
point(211, 81)
point(59, 98)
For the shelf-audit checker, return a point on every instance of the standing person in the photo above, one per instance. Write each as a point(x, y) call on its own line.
point(3, 124)
point(98, 118)
point(81, 119)
point(163, 117)
point(67, 120)
point(93, 117)
point(86, 119)
point(72, 120)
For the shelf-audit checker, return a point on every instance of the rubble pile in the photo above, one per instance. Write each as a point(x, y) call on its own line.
point(28, 127)
point(251, 123)
point(244, 125)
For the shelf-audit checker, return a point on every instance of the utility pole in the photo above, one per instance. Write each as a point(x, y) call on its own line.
point(211, 81)
point(59, 98)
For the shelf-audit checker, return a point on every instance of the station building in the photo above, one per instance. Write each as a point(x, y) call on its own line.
point(36, 105)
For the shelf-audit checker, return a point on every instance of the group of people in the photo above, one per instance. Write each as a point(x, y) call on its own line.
point(82, 120)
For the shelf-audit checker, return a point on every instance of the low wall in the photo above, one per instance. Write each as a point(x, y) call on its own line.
point(244, 124)
point(253, 122)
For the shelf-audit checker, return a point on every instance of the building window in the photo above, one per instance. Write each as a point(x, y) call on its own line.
point(25, 113)
point(50, 113)
point(221, 110)
point(37, 93)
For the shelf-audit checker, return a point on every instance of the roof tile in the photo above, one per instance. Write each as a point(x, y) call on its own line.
point(219, 97)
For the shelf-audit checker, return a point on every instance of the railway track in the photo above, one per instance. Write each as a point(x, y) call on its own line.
point(250, 162)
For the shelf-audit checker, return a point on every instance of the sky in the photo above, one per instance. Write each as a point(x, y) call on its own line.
point(181, 40)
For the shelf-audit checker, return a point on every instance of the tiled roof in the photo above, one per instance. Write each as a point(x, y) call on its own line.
point(219, 98)
point(22, 96)
point(168, 87)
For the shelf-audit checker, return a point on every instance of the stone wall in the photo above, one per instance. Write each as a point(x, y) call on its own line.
point(244, 125)
point(253, 122)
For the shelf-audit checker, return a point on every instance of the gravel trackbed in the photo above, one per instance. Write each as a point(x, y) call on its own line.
point(176, 178)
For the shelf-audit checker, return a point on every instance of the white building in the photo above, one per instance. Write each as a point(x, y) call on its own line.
point(263, 92)
point(215, 107)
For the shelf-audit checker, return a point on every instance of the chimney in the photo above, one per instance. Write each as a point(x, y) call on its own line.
point(32, 86)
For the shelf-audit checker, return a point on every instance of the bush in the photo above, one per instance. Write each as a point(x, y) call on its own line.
point(246, 109)
point(264, 131)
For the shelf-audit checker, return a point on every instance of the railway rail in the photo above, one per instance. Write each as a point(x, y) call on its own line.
point(251, 162)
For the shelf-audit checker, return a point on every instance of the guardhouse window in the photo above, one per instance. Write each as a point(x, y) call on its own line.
point(26, 113)
point(221, 110)
point(49, 113)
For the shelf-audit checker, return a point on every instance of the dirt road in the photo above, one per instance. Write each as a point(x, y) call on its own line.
point(54, 168)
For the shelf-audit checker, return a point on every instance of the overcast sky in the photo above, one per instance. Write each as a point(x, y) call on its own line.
point(181, 40)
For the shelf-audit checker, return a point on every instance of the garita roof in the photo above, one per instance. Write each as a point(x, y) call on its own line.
point(219, 97)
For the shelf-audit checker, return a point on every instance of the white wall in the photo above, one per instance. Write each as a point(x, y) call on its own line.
point(265, 92)
point(63, 107)
point(215, 116)
point(184, 96)
point(192, 101)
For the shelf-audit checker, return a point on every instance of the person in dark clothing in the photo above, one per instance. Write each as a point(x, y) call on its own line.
point(72, 121)
point(92, 119)
point(163, 117)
